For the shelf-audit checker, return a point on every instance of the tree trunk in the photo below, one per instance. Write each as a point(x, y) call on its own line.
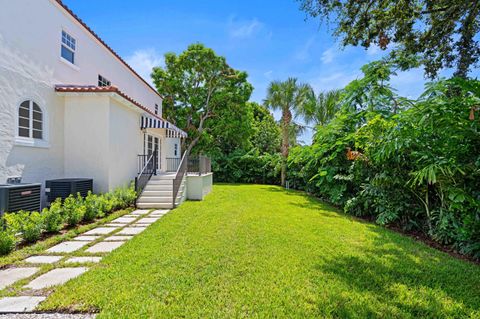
point(199, 130)
point(286, 119)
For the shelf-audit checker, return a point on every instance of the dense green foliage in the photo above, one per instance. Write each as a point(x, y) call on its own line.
point(29, 226)
point(443, 33)
point(252, 251)
point(199, 86)
point(419, 168)
point(256, 159)
point(292, 99)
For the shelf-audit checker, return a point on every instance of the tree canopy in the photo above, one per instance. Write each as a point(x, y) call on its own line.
point(198, 85)
point(442, 33)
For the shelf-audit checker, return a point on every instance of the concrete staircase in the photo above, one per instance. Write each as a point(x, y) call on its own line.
point(158, 192)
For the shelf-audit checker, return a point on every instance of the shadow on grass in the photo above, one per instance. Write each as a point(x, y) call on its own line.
point(407, 276)
point(310, 202)
point(411, 280)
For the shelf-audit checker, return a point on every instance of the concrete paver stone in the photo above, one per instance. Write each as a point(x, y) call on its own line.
point(56, 277)
point(12, 275)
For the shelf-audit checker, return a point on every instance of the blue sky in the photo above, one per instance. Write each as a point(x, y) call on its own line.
point(269, 39)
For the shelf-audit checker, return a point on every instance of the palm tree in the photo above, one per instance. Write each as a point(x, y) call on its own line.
point(292, 98)
point(324, 109)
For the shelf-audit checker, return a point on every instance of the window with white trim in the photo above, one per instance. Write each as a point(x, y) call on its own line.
point(102, 81)
point(156, 108)
point(175, 151)
point(30, 120)
point(68, 47)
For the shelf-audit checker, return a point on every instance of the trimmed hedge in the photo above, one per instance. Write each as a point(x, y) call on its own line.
point(29, 226)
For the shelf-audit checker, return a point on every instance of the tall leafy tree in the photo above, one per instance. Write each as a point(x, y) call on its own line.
point(266, 135)
point(291, 98)
point(199, 87)
point(327, 104)
point(444, 33)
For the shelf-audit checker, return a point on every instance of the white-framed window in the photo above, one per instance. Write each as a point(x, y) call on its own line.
point(175, 149)
point(102, 81)
point(30, 121)
point(68, 47)
point(156, 108)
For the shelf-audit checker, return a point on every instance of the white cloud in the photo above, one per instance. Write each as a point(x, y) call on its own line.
point(328, 55)
point(303, 54)
point(244, 29)
point(143, 61)
point(337, 80)
point(268, 74)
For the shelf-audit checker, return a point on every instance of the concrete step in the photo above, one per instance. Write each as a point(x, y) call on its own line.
point(149, 192)
point(154, 199)
point(163, 177)
point(160, 181)
point(158, 188)
point(155, 196)
point(154, 205)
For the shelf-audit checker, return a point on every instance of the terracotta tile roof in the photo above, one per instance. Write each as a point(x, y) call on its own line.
point(102, 89)
point(69, 11)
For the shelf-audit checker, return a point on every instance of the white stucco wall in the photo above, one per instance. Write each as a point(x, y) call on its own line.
point(23, 77)
point(34, 28)
point(87, 131)
point(86, 135)
point(199, 186)
point(169, 147)
point(125, 143)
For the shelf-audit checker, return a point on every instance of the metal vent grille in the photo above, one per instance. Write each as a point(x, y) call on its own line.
point(62, 188)
point(14, 198)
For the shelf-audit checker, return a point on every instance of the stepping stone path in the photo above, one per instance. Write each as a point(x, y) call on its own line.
point(112, 235)
point(139, 212)
point(100, 231)
point(148, 220)
point(87, 238)
point(105, 247)
point(118, 238)
point(19, 304)
point(67, 247)
point(43, 259)
point(11, 275)
point(115, 225)
point(131, 231)
point(124, 220)
point(56, 277)
point(89, 259)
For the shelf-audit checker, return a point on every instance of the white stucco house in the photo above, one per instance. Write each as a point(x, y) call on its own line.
point(71, 106)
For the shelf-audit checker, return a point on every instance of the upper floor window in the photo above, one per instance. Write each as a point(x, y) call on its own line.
point(68, 47)
point(103, 81)
point(175, 150)
point(156, 108)
point(30, 120)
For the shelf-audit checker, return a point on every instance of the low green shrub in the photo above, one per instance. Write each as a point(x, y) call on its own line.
point(30, 225)
point(74, 210)
point(53, 217)
point(91, 207)
point(7, 238)
point(7, 241)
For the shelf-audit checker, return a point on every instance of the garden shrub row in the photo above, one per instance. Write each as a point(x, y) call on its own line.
point(418, 169)
point(29, 226)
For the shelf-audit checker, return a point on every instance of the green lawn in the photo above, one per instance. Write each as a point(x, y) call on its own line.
point(260, 251)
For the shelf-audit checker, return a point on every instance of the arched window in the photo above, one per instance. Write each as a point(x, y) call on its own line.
point(30, 120)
